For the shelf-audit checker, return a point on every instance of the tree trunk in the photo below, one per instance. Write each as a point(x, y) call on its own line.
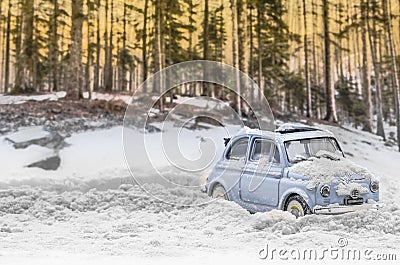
point(365, 72)
point(388, 26)
point(7, 52)
point(372, 33)
point(96, 80)
point(205, 85)
point(243, 36)
point(191, 29)
point(23, 78)
point(53, 46)
point(74, 90)
point(109, 74)
point(62, 78)
point(306, 66)
point(89, 51)
point(124, 69)
point(260, 79)
point(315, 79)
point(235, 55)
point(205, 30)
point(107, 70)
point(2, 36)
point(329, 87)
point(158, 53)
point(144, 43)
point(251, 37)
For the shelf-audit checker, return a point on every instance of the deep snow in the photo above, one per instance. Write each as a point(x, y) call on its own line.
point(90, 210)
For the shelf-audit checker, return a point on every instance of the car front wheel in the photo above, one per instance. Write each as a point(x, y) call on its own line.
point(297, 206)
point(219, 191)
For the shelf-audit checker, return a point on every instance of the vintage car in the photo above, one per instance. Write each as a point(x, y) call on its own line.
point(297, 168)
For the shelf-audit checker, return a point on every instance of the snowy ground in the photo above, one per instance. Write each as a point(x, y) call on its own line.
point(89, 211)
point(4, 99)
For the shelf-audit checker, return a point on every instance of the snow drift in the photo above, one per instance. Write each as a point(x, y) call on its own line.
point(91, 206)
point(329, 168)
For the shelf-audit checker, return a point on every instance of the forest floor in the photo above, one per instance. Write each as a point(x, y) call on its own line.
point(62, 115)
point(90, 211)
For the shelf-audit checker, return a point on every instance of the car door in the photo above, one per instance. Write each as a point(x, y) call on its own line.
point(234, 162)
point(259, 182)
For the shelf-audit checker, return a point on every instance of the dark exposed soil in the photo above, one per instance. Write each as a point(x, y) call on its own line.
point(62, 116)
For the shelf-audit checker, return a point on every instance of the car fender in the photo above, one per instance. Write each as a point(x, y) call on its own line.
point(212, 184)
point(295, 190)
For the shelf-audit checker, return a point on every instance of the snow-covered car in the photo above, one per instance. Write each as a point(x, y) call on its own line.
point(297, 168)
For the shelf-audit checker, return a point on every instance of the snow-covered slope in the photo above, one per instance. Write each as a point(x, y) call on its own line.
point(90, 210)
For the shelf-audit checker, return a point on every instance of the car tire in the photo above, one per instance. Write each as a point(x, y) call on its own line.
point(219, 191)
point(297, 206)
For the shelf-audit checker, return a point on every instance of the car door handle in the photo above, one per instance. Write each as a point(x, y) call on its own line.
point(275, 174)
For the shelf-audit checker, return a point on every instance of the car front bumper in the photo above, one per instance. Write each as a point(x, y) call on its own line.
point(340, 209)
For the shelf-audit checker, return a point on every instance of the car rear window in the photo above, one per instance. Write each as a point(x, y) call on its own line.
point(238, 149)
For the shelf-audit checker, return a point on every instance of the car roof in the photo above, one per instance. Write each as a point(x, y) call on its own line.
point(289, 134)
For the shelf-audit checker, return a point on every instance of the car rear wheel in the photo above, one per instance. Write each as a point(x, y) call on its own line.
point(297, 206)
point(219, 191)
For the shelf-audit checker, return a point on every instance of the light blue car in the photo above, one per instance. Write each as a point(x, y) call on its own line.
point(299, 169)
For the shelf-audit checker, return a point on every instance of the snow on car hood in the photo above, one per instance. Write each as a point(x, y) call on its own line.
point(329, 168)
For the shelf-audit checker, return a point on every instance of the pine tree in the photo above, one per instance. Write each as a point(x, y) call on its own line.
point(217, 34)
point(373, 41)
point(235, 55)
point(24, 72)
point(243, 35)
point(365, 71)
point(144, 41)
point(107, 73)
point(7, 49)
point(306, 65)
point(2, 37)
point(125, 59)
point(330, 90)
point(74, 89)
point(53, 48)
point(191, 10)
point(388, 29)
point(96, 81)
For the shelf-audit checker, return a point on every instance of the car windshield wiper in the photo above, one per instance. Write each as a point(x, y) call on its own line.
point(328, 155)
point(299, 158)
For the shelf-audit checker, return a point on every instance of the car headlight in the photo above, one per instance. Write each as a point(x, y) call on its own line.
point(325, 190)
point(374, 186)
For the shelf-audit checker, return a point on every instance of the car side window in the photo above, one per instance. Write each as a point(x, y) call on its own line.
point(238, 149)
point(264, 149)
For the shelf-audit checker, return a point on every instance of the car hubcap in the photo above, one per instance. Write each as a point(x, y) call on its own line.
point(296, 210)
point(219, 193)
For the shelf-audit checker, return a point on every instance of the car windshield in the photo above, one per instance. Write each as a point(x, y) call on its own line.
point(300, 150)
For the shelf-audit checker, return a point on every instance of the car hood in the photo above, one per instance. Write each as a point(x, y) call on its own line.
point(328, 170)
point(347, 178)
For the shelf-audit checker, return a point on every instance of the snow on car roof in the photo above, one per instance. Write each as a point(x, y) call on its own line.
point(297, 133)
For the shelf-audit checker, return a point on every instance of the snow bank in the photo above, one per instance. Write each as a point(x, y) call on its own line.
point(274, 219)
point(108, 97)
point(53, 96)
point(73, 211)
point(372, 222)
point(21, 99)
